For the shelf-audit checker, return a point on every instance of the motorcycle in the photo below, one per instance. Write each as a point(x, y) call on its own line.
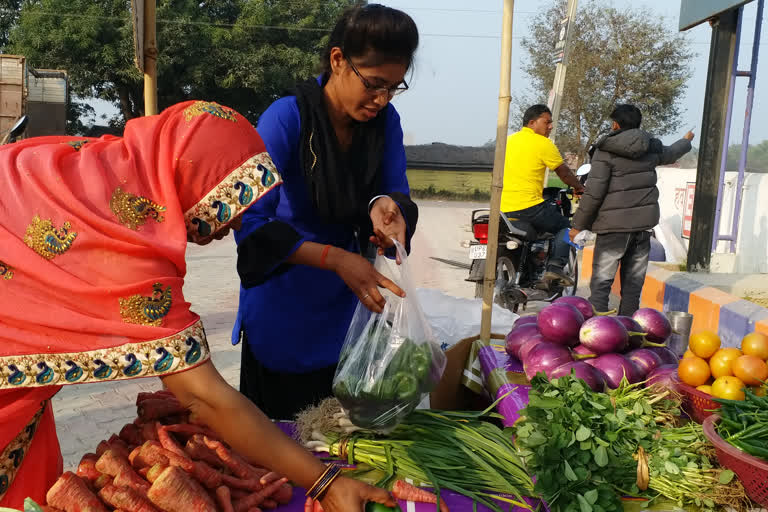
point(521, 258)
point(16, 130)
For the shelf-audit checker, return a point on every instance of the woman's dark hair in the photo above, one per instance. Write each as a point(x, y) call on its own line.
point(627, 116)
point(534, 112)
point(383, 33)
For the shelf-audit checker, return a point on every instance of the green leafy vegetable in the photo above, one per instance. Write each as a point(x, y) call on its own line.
point(584, 448)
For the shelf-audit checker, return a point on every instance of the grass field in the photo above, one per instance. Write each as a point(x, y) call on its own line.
point(457, 185)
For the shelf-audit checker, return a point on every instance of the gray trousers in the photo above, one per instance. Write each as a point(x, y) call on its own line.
point(631, 250)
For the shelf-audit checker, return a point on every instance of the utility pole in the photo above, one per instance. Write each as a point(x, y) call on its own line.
point(713, 126)
point(561, 60)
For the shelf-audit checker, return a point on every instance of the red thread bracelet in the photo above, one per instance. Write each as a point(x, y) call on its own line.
point(324, 255)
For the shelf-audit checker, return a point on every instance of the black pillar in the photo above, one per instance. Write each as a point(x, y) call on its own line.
point(721, 55)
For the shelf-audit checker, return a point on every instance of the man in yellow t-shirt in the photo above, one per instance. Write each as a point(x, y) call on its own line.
point(529, 154)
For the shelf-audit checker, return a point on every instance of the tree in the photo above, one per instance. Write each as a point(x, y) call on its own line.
point(269, 61)
point(9, 13)
point(230, 51)
point(616, 56)
point(757, 158)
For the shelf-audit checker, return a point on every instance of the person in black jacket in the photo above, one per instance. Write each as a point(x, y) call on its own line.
point(621, 205)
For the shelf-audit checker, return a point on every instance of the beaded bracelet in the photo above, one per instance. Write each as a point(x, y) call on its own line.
point(324, 482)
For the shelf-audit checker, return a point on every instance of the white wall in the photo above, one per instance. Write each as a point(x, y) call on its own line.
point(751, 255)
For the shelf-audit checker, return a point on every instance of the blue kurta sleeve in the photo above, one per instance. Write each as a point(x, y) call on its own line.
point(264, 243)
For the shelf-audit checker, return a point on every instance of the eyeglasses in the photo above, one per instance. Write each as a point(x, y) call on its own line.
point(378, 91)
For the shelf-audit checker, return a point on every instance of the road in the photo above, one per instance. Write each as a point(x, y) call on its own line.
point(87, 413)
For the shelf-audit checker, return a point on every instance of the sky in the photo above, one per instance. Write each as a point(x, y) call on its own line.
point(454, 91)
point(455, 86)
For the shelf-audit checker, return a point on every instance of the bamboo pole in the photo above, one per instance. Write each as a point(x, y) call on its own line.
point(498, 168)
point(150, 59)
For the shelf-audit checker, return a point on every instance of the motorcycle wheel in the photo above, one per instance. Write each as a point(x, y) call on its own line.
point(505, 274)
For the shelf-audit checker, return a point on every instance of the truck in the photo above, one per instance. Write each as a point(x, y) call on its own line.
point(41, 94)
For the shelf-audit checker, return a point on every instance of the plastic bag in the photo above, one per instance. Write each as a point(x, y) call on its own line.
point(389, 361)
point(454, 318)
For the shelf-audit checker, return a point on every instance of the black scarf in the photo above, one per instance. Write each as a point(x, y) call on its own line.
point(339, 184)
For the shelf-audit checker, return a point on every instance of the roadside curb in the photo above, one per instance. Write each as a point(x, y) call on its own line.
point(714, 310)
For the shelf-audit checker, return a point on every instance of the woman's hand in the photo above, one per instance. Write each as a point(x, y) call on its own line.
point(347, 495)
point(362, 278)
point(388, 223)
point(236, 224)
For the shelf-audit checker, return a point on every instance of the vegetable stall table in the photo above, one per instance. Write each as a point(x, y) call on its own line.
point(157, 450)
point(455, 502)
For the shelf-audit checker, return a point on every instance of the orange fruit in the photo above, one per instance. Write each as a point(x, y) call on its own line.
point(720, 363)
point(704, 344)
point(728, 387)
point(705, 388)
point(694, 371)
point(688, 353)
point(759, 391)
point(755, 344)
point(750, 369)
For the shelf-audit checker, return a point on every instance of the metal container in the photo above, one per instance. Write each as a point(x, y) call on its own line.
point(681, 323)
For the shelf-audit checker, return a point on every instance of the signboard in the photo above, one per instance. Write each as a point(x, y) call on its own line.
point(137, 16)
point(559, 53)
point(690, 193)
point(694, 12)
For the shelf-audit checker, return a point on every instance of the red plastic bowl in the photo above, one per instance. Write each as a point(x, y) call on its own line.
point(697, 404)
point(752, 471)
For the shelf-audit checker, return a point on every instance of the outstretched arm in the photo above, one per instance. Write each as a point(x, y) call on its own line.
point(243, 426)
point(673, 153)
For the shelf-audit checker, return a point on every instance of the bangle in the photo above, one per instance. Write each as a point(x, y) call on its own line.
point(317, 482)
point(329, 480)
point(370, 203)
point(324, 256)
point(324, 482)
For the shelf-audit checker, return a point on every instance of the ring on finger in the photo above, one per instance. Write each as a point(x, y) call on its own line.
point(366, 296)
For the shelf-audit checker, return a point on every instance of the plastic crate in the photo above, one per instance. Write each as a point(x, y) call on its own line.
point(697, 404)
point(752, 471)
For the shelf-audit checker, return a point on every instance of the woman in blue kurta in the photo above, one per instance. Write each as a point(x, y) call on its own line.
point(338, 144)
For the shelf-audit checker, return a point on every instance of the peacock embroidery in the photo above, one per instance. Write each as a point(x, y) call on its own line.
point(46, 240)
point(244, 185)
point(138, 309)
point(6, 271)
point(179, 351)
point(199, 108)
point(133, 211)
point(77, 144)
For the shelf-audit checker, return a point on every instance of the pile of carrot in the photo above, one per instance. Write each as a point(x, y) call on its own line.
point(163, 463)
